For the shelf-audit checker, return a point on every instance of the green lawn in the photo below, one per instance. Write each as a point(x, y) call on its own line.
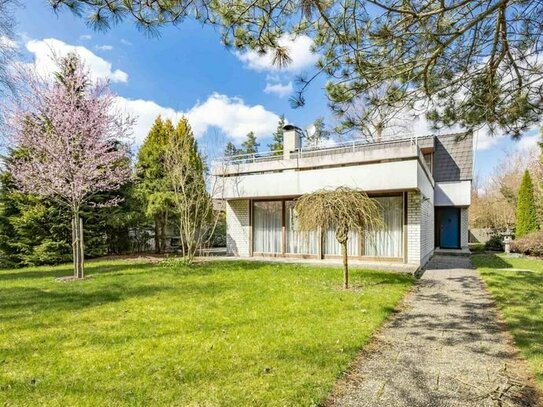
point(223, 333)
point(517, 287)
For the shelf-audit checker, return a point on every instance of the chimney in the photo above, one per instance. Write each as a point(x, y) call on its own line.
point(292, 141)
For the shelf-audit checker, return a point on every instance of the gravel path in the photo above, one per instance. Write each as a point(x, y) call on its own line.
point(445, 348)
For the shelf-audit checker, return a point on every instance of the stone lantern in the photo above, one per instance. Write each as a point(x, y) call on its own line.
point(507, 239)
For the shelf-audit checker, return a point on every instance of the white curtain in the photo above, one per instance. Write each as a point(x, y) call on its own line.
point(267, 227)
point(332, 246)
point(299, 242)
point(387, 241)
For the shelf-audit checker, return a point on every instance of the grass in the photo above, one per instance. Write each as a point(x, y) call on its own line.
point(517, 286)
point(217, 334)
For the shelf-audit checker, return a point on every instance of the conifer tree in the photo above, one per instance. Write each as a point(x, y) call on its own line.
point(277, 145)
point(318, 133)
point(470, 63)
point(152, 185)
point(526, 211)
point(230, 150)
point(250, 146)
point(185, 171)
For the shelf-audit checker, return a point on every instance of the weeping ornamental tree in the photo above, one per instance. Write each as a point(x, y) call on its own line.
point(67, 134)
point(344, 209)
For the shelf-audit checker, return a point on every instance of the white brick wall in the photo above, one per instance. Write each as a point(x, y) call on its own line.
point(420, 228)
point(427, 230)
point(413, 227)
point(237, 228)
point(464, 227)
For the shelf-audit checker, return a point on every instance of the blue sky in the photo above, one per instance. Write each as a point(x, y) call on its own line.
point(187, 71)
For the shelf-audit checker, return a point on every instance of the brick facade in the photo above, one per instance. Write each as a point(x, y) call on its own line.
point(238, 228)
point(427, 230)
point(464, 227)
point(420, 228)
point(413, 227)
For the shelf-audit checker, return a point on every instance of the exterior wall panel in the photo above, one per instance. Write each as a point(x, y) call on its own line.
point(464, 227)
point(379, 177)
point(238, 229)
point(427, 230)
point(420, 228)
point(453, 193)
point(413, 228)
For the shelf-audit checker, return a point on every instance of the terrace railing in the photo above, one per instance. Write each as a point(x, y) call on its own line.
point(307, 152)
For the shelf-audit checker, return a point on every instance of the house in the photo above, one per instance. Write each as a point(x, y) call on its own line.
point(423, 185)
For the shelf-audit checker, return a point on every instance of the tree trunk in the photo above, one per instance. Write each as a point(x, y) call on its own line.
point(345, 265)
point(157, 234)
point(77, 246)
point(163, 232)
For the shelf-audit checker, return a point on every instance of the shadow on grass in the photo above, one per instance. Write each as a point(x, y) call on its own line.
point(66, 270)
point(489, 260)
point(125, 280)
point(519, 295)
point(99, 267)
point(17, 299)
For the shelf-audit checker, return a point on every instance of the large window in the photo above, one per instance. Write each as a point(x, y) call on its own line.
point(299, 242)
point(387, 241)
point(267, 230)
point(332, 246)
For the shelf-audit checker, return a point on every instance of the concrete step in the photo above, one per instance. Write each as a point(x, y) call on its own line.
point(452, 252)
point(448, 261)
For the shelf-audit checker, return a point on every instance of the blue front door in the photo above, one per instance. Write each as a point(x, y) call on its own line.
point(449, 228)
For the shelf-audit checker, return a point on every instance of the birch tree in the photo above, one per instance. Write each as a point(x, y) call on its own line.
point(192, 204)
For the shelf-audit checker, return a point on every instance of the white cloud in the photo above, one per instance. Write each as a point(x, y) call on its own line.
point(483, 138)
point(299, 50)
point(145, 112)
point(528, 143)
point(279, 89)
point(45, 50)
point(229, 114)
point(104, 47)
point(85, 37)
point(232, 116)
point(9, 43)
point(125, 42)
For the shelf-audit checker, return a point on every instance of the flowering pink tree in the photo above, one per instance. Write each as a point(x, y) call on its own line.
point(66, 134)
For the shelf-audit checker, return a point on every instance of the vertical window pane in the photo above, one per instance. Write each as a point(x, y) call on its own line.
point(297, 241)
point(267, 227)
point(332, 246)
point(387, 241)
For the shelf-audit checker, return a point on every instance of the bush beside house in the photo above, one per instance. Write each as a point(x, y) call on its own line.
point(530, 244)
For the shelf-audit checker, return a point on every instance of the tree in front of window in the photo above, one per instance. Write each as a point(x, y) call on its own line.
point(344, 209)
point(250, 146)
point(277, 143)
point(66, 133)
point(526, 221)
